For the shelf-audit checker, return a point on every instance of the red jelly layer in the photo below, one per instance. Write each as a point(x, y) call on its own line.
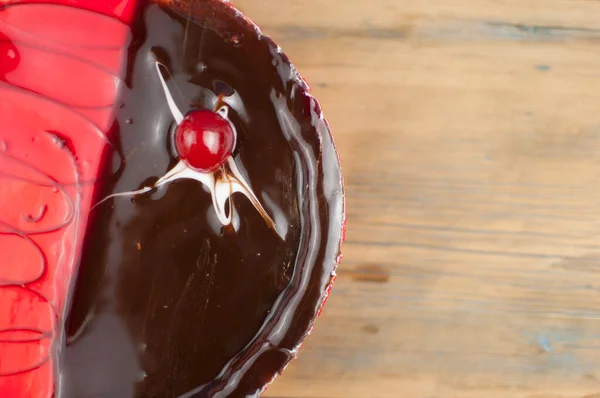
point(60, 74)
point(120, 9)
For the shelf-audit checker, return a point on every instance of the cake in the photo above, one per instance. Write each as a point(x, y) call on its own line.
point(174, 201)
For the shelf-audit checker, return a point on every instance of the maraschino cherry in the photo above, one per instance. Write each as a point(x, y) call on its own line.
point(204, 140)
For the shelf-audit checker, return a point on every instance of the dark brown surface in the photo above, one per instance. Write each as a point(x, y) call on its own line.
point(167, 302)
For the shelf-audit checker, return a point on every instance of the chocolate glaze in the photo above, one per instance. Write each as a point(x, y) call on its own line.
point(167, 302)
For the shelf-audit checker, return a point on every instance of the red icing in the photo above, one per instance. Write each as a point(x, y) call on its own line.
point(120, 9)
point(60, 67)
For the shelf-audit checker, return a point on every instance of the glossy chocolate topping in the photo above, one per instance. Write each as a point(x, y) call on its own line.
point(168, 301)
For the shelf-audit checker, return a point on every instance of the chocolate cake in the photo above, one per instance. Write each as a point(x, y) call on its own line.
point(196, 277)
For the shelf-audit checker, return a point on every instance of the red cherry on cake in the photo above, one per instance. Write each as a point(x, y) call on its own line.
point(204, 140)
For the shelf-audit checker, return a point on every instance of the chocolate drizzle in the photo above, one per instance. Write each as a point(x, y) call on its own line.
point(168, 301)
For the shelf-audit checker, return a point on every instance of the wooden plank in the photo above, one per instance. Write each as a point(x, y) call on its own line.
point(469, 133)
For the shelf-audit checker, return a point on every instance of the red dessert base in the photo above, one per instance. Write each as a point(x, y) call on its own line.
point(60, 67)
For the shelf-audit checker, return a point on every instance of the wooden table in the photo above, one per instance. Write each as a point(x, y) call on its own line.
point(469, 132)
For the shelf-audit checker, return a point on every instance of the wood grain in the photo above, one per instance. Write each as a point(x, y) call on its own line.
point(469, 133)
